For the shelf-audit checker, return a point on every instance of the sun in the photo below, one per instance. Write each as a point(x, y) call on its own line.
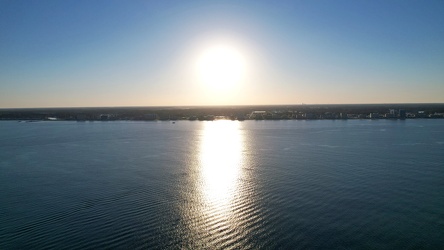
point(221, 67)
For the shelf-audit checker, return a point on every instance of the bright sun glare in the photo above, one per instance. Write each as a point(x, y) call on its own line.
point(221, 67)
point(221, 160)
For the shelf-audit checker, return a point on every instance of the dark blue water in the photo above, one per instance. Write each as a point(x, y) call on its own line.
point(367, 184)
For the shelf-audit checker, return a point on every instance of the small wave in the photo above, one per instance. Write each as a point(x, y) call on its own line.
point(328, 146)
point(410, 144)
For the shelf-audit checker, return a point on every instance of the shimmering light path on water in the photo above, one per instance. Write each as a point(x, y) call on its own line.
point(222, 184)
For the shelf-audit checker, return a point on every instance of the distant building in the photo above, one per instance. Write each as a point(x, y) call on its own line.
point(327, 115)
point(104, 117)
point(299, 116)
point(402, 114)
point(391, 114)
point(258, 115)
point(421, 114)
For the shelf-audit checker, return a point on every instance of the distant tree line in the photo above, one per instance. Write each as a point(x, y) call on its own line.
point(270, 112)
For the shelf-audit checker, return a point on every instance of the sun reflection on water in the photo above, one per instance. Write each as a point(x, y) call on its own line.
point(220, 162)
point(221, 211)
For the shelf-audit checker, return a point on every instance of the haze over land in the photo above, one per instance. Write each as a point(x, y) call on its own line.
point(182, 53)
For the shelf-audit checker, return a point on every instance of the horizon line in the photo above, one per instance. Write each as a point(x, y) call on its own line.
point(228, 105)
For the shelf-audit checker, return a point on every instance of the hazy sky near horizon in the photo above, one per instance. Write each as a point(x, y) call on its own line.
point(144, 53)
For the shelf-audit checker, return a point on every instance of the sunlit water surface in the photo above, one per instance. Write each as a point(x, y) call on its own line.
point(222, 184)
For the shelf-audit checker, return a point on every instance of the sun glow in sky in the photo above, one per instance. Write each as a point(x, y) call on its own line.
point(144, 53)
point(221, 67)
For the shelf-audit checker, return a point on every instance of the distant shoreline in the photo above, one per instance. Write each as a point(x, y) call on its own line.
point(251, 112)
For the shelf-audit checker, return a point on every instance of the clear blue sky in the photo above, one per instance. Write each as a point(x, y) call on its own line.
point(141, 53)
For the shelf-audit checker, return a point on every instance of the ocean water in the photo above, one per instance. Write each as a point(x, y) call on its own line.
point(355, 184)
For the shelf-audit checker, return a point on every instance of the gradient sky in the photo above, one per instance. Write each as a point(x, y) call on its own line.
point(141, 53)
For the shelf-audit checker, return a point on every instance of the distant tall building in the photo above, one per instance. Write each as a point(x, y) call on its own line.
point(401, 114)
point(391, 114)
